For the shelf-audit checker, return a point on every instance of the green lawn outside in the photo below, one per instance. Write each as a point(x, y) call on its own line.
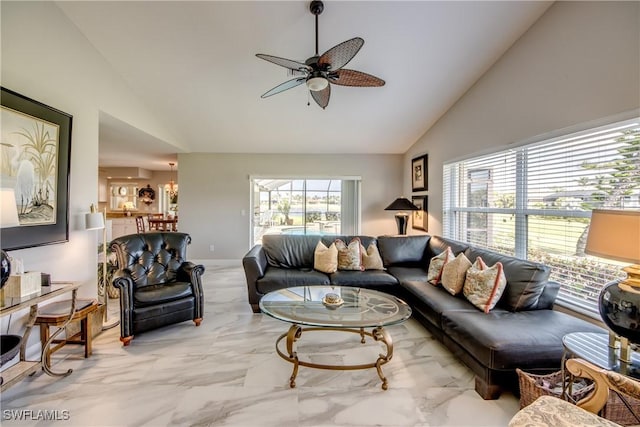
point(554, 235)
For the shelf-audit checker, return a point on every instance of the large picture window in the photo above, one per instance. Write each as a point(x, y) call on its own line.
point(305, 206)
point(535, 202)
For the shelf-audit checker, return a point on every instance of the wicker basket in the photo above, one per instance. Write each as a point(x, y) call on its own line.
point(533, 386)
point(615, 410)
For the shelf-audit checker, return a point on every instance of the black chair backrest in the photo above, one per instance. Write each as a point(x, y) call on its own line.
point(152, 258)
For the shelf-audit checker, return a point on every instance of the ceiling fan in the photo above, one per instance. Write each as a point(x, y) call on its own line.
point(320, 70)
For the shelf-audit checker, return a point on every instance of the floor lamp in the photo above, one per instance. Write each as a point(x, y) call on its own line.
point(95, 220)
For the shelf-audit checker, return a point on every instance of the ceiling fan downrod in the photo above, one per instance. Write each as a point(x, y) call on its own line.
point(316, 7)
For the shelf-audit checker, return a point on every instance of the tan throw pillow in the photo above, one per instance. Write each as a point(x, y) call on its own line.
point(454, 272)
point(371, 259)
point(325, 259)
point(349, 256)
point(436, 265)
point(484, 285)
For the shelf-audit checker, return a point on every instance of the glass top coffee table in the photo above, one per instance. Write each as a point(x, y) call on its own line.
point(335, 308)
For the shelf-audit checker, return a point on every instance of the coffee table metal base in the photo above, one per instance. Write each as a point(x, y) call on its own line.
point(295, 332)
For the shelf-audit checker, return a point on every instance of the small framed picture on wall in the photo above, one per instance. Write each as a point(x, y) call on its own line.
point(419, 173)
point(420, 220)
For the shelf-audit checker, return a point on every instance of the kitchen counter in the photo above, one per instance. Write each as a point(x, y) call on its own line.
point(114, 215)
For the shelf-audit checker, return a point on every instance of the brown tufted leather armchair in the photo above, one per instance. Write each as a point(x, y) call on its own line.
point(157, 285)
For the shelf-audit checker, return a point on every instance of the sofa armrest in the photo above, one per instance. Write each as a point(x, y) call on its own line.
point(123, 280)
point(255, 265)
point(548, 296)
point(190, 272)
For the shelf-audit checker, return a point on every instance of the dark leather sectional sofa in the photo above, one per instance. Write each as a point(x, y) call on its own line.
point(522, 331)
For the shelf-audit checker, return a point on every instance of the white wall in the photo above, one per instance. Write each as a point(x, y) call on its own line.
point(579, 63)
point(44, 57)
point(215, 188)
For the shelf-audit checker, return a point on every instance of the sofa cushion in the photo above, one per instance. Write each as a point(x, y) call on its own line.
point(157, 294)
point(525, 279)
point(362, 279)
point(289, 251)
point(503, 339)
point(483, 285)
point(405, 274)
point(432, 301)
point(365, 240)
point(349, 255)
point(454, 274)
point(407, 251)
point(279, 278)
point(439, 244)
point(325, 259)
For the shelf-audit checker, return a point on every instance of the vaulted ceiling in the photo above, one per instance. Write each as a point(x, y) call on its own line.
point(194, 65)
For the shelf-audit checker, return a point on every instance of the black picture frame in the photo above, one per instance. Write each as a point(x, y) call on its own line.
point(420, 218)
point(420, 173)
point(55, 230)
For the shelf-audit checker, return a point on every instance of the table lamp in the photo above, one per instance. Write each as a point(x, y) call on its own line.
point(95, 220)
point(8, 218)
point(615, 234)
point(402, 204)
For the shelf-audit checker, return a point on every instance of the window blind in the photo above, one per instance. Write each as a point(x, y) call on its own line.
point(535, 202)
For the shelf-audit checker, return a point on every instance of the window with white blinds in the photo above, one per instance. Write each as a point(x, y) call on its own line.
point(535, 202)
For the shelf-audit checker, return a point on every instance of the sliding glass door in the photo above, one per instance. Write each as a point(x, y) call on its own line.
point(305, 206)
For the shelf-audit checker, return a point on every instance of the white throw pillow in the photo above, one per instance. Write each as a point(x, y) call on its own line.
point(484, 285)
point(371, 259)
point(349, 256)
point(454, 273)
point(325, 259)
point(437, 263)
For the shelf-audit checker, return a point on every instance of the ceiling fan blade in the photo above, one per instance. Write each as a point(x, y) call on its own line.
point(338, 56)
point(354, 78)
point(284, 86)
point(283, 62)
point(322, 96)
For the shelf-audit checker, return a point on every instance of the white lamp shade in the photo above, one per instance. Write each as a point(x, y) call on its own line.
point(614, 234)
point(8, 208)
point(94, 221)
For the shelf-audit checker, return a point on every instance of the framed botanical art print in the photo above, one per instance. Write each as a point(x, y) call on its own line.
point(35, 150)
point(420, 220)
point(419, 173)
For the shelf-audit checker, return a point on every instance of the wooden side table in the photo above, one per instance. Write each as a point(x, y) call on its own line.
point(57, 314)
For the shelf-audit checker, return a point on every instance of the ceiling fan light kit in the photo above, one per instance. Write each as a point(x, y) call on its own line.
point(319, 71)
point(317, 83)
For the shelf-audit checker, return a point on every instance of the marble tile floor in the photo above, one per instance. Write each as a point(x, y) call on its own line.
point(226, 373)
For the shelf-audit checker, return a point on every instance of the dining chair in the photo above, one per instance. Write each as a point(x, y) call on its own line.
point(140, 224)
point(155, 225)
